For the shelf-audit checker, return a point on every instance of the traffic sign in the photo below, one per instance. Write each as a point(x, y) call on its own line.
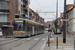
point(64, 19)
point(58, 26)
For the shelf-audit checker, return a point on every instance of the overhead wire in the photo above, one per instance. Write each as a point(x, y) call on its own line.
point(38, 4)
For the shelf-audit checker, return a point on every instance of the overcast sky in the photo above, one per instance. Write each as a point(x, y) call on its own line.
point(48, 6)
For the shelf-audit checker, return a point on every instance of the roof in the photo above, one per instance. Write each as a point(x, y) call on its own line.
point(69, 6)
point(70, 9)
point(29, 21)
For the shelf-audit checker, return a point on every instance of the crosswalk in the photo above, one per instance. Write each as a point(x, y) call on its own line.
point(34, 39)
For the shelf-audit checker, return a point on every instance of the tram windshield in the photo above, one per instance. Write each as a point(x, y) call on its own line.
point(18, 26)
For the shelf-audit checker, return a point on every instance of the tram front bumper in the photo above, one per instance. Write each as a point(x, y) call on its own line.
point(19, 35)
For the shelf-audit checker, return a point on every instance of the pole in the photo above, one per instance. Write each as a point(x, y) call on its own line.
point(6, 35)
point(64, 23)
point(56, 14)
point(57, 42)
point(50, 35)
point(48, 41)
point(28, 9)
point(74, 43)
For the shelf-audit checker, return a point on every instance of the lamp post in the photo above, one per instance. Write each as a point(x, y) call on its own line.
point(64, 23)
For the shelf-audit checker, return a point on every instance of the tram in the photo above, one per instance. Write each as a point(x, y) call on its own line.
point(25, 27)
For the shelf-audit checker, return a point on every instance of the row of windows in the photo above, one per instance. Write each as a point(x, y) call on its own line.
point(3, 18)
point(3, 5)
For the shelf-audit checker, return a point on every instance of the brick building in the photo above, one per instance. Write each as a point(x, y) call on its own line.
point(61, 16)
point(11, 9)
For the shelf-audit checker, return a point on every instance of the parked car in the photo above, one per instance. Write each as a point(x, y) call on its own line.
point(46, 29)
point(1, 32)
point(50, 30)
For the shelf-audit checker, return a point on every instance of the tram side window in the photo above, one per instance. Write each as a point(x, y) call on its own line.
point(24, 26)
point(27, 27)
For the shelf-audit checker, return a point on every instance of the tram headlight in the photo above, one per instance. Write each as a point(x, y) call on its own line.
point(13, 32)
point(23, 32)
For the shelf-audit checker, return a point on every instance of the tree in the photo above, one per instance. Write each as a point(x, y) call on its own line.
point(1, 26)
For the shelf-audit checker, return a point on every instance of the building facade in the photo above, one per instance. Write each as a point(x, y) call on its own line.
point(49, 23)
point(68, 25)
point(71, 18)
point(11, 9)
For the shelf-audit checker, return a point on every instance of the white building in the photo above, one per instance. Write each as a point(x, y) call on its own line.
point(71, 18)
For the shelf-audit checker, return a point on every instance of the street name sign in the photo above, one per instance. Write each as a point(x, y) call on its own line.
point(64, 19)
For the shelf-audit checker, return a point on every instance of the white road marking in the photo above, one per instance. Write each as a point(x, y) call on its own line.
point(36, 39)
point(43, 39)
point(22, 39)
point(15, 39)
point(51, 38)
point(28, 38)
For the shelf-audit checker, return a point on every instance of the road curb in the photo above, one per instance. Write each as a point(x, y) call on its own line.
point(43, 46)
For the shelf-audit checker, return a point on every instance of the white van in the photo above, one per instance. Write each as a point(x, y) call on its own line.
point(58, 31)
point(1, 32)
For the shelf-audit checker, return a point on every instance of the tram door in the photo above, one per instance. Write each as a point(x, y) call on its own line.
point(32, 30)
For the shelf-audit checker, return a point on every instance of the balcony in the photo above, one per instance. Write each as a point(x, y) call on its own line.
point(24, 7)
point(4, 11)
point(23, 15)
point(4, 0)
point(25, 1)
point(4, 23)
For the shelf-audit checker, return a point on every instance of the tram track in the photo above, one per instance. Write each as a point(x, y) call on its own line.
point(22, 43)
point(36, 43)
point(6, 40)
point(9, 42)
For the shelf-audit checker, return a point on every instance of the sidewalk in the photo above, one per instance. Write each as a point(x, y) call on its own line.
point(8, 37)
point(69, 45)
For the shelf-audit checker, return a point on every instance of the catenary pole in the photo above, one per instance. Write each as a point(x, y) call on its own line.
point(64, 23)
point(56, 14)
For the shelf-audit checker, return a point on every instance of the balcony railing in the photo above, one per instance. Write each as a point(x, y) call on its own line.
point(4, 11)
point(25, 0)
point(4, 0)
point(4, 23)
point(24, 7)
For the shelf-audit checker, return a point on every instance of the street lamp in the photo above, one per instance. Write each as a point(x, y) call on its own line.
point(64, 23)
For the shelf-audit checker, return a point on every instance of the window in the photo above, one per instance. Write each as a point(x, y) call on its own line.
point(3, 18)
point(18, 26)
point(3, 5)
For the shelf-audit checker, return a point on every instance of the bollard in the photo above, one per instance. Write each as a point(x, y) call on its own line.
point(74, 43)
point(48, 41)
point(57, 42)
point(50, 35)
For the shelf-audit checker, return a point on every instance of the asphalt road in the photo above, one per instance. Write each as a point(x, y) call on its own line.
point(32, 43)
